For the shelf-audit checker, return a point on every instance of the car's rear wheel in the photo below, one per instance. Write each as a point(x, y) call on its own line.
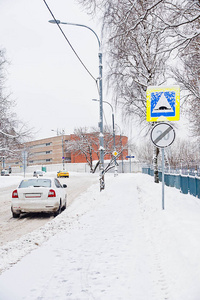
point(64, 206)
point(56, 213)
point(15, 215)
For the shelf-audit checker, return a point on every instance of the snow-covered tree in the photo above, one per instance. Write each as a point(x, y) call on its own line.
point(181, 26)
point(144, 152)
point(180, 21)
point(183, 154)
point(85, 142)
point(188, 77)
point(135, 53)
point(139, 37)
point(12, 131)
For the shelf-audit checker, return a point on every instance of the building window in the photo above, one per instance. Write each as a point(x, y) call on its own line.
point(40, 145)
point(41, 153)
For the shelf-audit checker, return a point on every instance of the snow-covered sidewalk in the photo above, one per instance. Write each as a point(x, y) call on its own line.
point(115, 245)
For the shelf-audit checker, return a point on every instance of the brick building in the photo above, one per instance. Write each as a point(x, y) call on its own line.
point(93, 140)
point(54, 151)
point(43, 152)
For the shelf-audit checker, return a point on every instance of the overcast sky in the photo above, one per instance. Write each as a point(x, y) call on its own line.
point(51, 88)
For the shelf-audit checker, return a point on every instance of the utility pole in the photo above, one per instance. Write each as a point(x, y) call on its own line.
point(63, 154)
point(101, 136)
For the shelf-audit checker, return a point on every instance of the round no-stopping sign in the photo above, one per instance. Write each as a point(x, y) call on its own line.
point(162, 135)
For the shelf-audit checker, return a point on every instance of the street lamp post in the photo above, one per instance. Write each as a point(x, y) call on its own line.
point(63, 154)
point(121, 147)
point(113, 127)
point(3, 162)
point(101, 136)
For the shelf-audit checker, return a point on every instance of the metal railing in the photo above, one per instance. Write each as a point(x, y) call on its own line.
point(187, 183)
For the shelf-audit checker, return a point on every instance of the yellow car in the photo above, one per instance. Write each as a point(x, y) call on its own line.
point(62, 174)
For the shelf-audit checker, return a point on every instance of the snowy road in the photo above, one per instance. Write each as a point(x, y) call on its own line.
point(12, 229)
point(115, 245)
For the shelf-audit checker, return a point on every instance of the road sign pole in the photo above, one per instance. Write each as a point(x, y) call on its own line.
point(24, 158)
point(163, 135)
point(130, 156)
point(163, 178)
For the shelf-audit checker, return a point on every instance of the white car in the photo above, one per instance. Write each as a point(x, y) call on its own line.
point(37, 173)
point(39, 195)
point(4, 173)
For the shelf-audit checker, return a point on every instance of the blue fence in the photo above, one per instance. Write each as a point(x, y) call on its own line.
point(185, 183)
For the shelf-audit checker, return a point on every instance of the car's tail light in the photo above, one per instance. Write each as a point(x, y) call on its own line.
point(15, 194)
point(52, 193)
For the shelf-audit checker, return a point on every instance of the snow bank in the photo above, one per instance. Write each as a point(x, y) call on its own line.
point(9, 180)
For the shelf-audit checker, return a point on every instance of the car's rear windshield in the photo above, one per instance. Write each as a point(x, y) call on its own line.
point(35, 183)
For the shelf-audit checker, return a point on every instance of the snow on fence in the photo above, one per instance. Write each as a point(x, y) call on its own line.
point(187, 184)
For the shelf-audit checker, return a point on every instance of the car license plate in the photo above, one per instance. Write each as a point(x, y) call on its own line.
point(35, 195)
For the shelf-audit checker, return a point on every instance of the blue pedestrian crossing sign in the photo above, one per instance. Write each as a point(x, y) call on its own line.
point(163, 103)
